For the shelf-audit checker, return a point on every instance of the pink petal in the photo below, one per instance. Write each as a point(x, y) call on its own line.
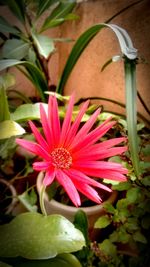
point(81, 177)
point(67, 120)
point(98, 154)
point(42, 165)
point(49, 177)
point(86, 127)
point(111, 142)
point(88, 191)
point(34, 148)
point(76, 124)
point(53, 117)
point(97, 165)
point(107, 174)
point(69, 187)
point(46, 126)
point(38, 136)
point(92, 137)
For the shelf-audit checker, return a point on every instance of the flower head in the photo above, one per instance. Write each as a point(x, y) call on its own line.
point(72, 154)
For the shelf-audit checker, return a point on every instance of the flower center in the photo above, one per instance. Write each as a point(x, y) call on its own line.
point(61, 158)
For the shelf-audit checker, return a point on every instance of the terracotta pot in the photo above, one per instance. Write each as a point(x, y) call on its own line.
point(55, 207)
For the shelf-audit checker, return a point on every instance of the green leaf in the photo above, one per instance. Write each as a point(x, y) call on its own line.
point(27, 112)
point(3, 264)
point(81, 223)
point(6, 27)
point(120, 235)
point(63, 260)
point(133, 195)
point(146, 150)
point(4, 109)
point(34, 236)
point(131, 111)
point(44, 5)
point(103, 222)
point(29, 199)
point(36, 76)
point(108, 248)
point(122, 186)
point(124, 40)
point(7, 148)
point(15, 49)
point(139, 237)
point(6, 80)
point(59, 14)
point(10, 128)
point(45, 45)
point(146, 221)
point(109, 207)
point(17, 8)
point(146, 181)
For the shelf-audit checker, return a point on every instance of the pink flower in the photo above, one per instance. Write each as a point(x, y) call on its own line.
point(73, 155)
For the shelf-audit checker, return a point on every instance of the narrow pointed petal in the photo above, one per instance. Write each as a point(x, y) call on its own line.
point(87, 126)
point(49, 177)
point(53, 118)
point(46, 126)
point(97, 165)
point(98, 154)
point(111, 142)
point(105, 174)
point(34, 148)
point(42, 165)
point(92, 137)
point(38, 136)
point(88, 191)
point(69, 187)
point(67, 120)
point(75, 125)
point(81, 177)
point(101, 146)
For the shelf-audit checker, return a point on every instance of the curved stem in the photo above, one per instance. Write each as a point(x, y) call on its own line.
point(42, 206)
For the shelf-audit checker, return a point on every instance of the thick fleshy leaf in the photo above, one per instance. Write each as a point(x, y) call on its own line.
point(63, 260)
point(10, 128)
point(15, 49)
point(27, 112)
point(34, 236)
point(45, 45)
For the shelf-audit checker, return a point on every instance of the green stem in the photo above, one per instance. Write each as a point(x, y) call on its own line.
point(42, 206)
point(131, 111)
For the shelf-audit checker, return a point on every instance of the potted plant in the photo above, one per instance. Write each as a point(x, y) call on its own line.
point(77, 157)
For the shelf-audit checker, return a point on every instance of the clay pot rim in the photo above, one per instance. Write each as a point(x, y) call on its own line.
point(88, 210)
